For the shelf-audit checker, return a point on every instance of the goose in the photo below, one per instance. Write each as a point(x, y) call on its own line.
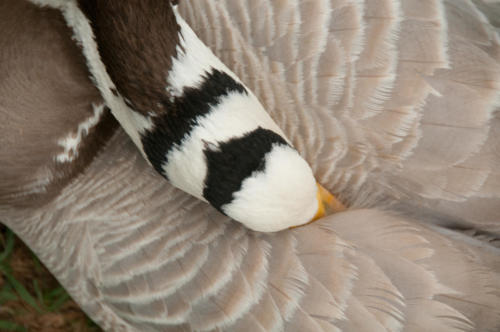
point(137, 254)
point(190, 116)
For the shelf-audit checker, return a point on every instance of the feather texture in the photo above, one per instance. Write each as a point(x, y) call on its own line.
point(156, 265)
point(386, 99)
point(381, 83)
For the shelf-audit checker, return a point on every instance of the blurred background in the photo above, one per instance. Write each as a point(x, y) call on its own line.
point(31, 299)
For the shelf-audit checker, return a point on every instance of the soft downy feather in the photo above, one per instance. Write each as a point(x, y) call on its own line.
point(139, 255)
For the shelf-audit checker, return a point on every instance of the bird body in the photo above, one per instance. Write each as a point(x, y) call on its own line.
point(140, 255)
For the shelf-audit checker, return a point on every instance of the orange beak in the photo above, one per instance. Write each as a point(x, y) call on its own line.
point(327, 203)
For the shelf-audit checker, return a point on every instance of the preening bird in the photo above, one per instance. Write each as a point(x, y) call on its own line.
point(394, 105)
point(190, 116)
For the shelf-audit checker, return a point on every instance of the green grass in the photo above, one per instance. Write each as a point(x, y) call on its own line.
point(30, 297)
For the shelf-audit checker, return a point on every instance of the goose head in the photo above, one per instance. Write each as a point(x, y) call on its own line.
point(190, 116)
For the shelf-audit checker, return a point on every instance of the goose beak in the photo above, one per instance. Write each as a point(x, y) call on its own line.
point(327, 203)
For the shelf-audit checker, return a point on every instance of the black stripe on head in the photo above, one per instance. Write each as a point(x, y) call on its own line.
point(235, 160)
point(183, 114)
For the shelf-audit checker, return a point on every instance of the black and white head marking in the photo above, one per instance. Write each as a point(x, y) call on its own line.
point(202, 130)
point(220, 145)
point(232, 162)
point(185, 113)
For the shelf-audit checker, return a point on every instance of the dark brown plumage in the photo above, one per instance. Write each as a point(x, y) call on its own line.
point(136, 56)
point(43, 74)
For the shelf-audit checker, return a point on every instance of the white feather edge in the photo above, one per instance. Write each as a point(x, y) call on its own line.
point(132, 122)
point(71, 142)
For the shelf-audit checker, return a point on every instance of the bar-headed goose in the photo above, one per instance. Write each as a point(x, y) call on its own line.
point(357, 86)
point(190, 116)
